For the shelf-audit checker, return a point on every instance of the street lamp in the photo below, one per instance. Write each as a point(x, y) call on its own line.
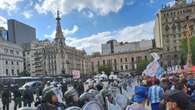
point(187, 34)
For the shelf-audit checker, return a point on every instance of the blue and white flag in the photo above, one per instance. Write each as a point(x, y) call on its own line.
point(154, 68)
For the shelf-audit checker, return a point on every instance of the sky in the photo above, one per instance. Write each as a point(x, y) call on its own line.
point(86, 23)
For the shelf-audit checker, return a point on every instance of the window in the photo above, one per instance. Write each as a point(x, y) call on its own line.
point(6, 62)
point(167, 48)
point(6, 50)
point(104, 62)
point(17, 52)
point(126, 67)
point(114, 61)
point(146, 58)
point(115, 67)
point(18, 71)
point(11, 51)
point(175, 48)
point(167, 28)
point(125, 59)
point(17, 63)
point(121, 67)
point(6, 72)
point(12, 62)
point(121, 59)
point(132, 59)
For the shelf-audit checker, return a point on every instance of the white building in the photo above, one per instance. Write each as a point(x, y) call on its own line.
point(11, 58)
point(55, 58)
point(113, 47)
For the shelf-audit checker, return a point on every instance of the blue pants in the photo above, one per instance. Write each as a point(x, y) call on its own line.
point(155, 106)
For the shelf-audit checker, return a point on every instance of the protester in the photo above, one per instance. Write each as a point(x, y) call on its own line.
point(178, 100)
point(155, 95)
point(27, 97)
point(139, 99)
point(17, 98)
point(6, 98)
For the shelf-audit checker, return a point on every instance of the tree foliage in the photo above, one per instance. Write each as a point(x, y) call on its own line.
point(141, 65)
point(184, 50)
point(106, 68)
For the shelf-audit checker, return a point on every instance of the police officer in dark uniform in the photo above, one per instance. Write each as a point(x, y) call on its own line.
point(6, 98)
point(50, 101)
point(28, 97)
point(17, 98)
point(72, 98)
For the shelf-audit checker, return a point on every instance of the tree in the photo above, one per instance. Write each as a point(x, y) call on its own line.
point(184, 50)
point(141, 65)
point(24, 73)
point(106, 68)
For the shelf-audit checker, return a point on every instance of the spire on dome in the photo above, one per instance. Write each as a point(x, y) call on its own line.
point(59, 37)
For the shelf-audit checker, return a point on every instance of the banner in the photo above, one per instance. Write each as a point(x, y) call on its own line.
point(76, 74)
point(193, 69)
point(154, 68)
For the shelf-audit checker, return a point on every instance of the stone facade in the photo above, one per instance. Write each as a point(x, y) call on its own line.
point(168, 29)
point(54, 58)
point(121, 62)
point(11, 58)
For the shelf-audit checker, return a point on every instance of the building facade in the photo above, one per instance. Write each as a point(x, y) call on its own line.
point(113, 47)
point(20, 33)
point(54, 58)
point(169, 26)
point(121, 62)
point(11, 58)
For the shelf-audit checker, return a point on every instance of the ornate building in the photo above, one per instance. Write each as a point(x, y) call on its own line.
point(169, 26)
point(54, 58)
point(11, 58)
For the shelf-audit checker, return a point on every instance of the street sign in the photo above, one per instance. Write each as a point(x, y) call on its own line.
point(193, 69)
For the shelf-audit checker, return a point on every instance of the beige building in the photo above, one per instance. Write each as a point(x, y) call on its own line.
point(11, 58)
point(54, 58)
point(121, 62)
point(169, 25)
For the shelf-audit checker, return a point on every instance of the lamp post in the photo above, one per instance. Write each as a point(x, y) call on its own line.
point(187, 34)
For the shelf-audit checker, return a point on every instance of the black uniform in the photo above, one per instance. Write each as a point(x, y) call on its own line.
point(17, 99)
point(28, 97)
point(6, 98)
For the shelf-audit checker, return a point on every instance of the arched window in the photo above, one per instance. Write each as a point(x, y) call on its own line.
point(166, 27)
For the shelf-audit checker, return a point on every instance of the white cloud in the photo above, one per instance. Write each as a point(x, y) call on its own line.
point(171, 3)
point(3, 22)
point(66, 32)
point(27, 14)
point(100, 7)
point(88, 14)
point(128, 34)
point(9, 5)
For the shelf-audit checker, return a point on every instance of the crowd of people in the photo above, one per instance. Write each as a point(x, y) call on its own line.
point(170, 92)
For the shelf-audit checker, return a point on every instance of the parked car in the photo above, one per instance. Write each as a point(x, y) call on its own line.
point(33, 85)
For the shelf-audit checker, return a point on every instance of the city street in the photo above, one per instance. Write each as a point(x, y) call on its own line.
point(97, 54)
